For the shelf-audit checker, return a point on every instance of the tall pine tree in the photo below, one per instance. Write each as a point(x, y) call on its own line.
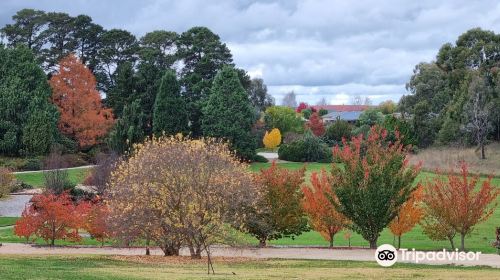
point(229, 114)
point(169, 115)
point(128, 129)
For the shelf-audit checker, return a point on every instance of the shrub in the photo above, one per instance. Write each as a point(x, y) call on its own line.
point(336, 131)
point(259, 158)
point(6, 179)
point(272, 139)
point(18, 185)
point(33, 164)
point(315, 124)
point(56, 177)
point(308, 149)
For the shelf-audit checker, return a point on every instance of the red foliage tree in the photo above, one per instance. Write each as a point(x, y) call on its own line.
point(317, 204)
point(83, 117)
point(96, 221)
point(50, 217)
point(316, 124)
point(459, 202)
point(302, 106)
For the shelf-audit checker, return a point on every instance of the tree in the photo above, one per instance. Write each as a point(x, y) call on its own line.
point(100, 174)
point(290, 100)
point(306, 113)
point(170, 115)
point(26, 30)
point(372, 182)
point(86, 40)
point(409, 215)
point(55, 217)
point(180, 192)
point(316, 125)
point(338, 130)
point(371, 117)
point(322, 102)
point(125, 90)
point(387, 107)
point(259, 97)
point(6, 179)
point(128, 130)
point(283, 118)
point(302, 106)
point(322, 213)
point(74, 92)
point(228, 114)
point(278, 213)
point(158, 48)
point(203, 56)
point(28, 121)
point(56, 177)
point(436, 228)
point(59, 39)
point(272, 139)
point(96, 221)
point(459, 202)
point(28, 224)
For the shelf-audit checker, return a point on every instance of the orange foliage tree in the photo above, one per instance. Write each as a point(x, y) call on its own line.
point(409, 215)
point(459, 202)
point(96, 221)
point(82, 116)
point(324, 218)
point(50, 217)
point(316, 124)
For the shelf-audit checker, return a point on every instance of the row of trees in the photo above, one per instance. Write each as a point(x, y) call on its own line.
point(129, 72)
point(456, 97)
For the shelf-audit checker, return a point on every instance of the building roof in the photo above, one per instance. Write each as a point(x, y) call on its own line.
point(346, 116)
point(341, 108)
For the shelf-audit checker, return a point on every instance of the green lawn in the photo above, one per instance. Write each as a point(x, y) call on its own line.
point(7, 221)
point(36, 179)
point(101, 267)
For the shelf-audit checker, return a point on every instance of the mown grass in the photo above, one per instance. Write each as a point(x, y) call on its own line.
point(7, 221)
point(37, 179)
point(101, 267)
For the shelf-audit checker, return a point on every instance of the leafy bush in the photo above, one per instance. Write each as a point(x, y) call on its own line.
point(308, 149)
point(18, 185)
point(6, 178)
point(336, 131)
point(259, 158)
point(272, 139)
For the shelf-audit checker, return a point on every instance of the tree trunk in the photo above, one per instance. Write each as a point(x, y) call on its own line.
point(263, 242)
point(373, 243)
point(399, 241)
point(147, 248)
point(483, 155)
point(452, 243)
point(462, 242)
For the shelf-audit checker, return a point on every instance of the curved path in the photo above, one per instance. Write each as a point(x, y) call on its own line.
point(13, 205)
point(248, 252)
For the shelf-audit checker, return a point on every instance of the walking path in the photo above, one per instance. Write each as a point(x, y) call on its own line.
point(13, 205)
point(247, 252)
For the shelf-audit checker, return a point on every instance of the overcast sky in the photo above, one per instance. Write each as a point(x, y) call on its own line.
point(331, 49)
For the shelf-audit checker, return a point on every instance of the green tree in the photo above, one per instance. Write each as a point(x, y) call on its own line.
point(228, 114)
point(128, 130)
point(203, 55)
point(28, 120)
point(283, 118)
point(26, 30)
point(337, 131)
point(169, 115)
point(258, 95)
point(371, 117)
point(124, 91)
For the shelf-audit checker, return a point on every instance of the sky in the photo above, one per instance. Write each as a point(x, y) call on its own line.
point(318, 48)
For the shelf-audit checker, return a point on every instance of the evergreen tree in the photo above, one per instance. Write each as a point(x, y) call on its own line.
point(228, 113)
point(124, 91)
point(128, 129)
point(169, 115)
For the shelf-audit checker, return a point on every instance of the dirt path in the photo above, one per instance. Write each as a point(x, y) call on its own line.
point(280, 253)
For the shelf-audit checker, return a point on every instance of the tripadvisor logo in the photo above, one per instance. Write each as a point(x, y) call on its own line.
point(386, 255)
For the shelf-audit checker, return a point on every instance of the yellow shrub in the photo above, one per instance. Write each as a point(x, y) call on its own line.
point(272, 139)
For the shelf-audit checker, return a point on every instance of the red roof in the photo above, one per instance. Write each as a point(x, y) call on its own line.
point(341, 108)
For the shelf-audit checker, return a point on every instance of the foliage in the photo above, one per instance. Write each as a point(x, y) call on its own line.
point(228, 114)
point(371, 117)
point(302, 106)
point(28, 122)
point(6, 180)
point(100, 175)
point(372, 182)
point(272, 139)
point(278, 212)
point(283, 118)
point(125, 90)
point(307, 113)
point(337, 131)
point(394, 125)
point(458, 202)
point(259, 97)
point(387, 107)
point(128, 130)
point(322, 112)
point(309, 148)
point(323, 216)
point(179, 192)
point(409, 215)
point(96, 221)
point(55, 175)
point(169, 114)
point(50, 217)
point(74, 92)
point(315, 124)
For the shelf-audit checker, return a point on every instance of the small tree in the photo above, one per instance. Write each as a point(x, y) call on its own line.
point(279, 212)
point(96, 222)
point(372, 182)
point(316, 124)
point(100, 174)
point(272, 139)
point(6, 179)
point(458, 202)
point(409, 215)
point(323, 216)
point(28, 224)
point(302, 106)
point(436, 228)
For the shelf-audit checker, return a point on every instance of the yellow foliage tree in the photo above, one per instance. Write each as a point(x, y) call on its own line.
point(272, 139)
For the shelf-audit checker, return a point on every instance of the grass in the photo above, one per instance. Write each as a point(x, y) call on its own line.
point(36, 179)
point(102, 267)
point(7, 221)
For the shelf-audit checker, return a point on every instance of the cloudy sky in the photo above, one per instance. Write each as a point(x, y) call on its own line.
point(318, 48)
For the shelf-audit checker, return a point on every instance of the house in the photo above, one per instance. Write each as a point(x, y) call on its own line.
point(349, 113)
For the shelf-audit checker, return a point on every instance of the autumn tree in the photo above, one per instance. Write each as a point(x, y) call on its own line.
point(409, 215)
point(6, 179)
point(323, 216)
point(315, 124)
point(461, 200)
point(83, 117)
point(55, 217)
point(272, 139)
point(179, 192)
point(302, 106)
point(436, 228)
point(279, 212)
point(96, 221)
point(372, 182)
